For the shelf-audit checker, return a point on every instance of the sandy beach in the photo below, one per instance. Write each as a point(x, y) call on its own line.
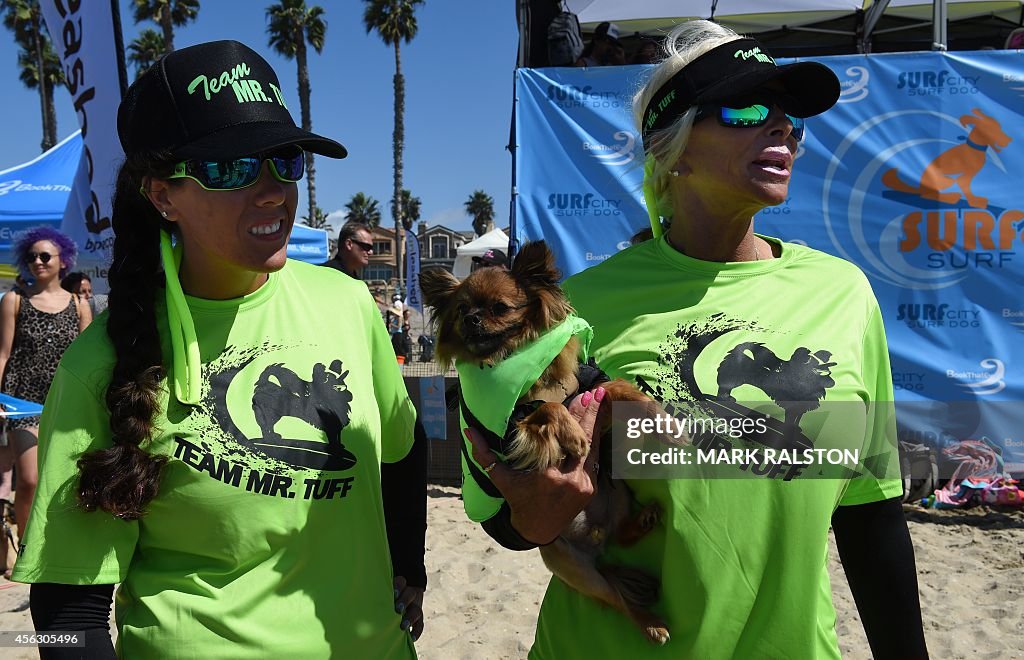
point(970, 569)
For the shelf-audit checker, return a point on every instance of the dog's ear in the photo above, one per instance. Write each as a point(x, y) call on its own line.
point(534, 270)
point(972, 119)
point(976, 117)
point(535, 265)
point(437, 286)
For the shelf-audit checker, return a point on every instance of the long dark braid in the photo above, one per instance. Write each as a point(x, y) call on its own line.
point(124, 478)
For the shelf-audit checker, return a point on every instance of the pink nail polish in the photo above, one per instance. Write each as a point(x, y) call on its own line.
point(586, 399)
point(599, 394)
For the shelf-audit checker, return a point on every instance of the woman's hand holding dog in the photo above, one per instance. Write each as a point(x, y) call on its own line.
point(544, 502)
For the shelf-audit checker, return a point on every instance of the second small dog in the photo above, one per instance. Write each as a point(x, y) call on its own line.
point(483, 320)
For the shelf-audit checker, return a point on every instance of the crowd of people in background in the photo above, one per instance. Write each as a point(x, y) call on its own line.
point(80, 284)
point(606, 49)
point(352, 255)
point(355, 246)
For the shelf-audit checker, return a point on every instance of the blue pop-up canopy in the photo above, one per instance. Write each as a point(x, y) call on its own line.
point(308, 244)
point(36, 193)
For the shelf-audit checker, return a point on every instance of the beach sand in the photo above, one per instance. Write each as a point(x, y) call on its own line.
point(483, 600)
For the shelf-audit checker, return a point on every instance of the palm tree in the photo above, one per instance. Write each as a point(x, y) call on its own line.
point(363, 208)
point(395, 22)
point(292, 25)
point(24, 19)
point(410, 211)
point(480, 205)
point(145, 50)
point(166, 14)
point(316, 220)
point(53, 76)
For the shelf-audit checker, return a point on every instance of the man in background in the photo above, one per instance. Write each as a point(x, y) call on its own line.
point(355, 244)
point(604, 48)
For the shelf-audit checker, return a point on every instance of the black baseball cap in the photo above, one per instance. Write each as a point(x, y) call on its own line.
point(736, 69)
point(215, 100)
point(491, 257)
point(609, 31)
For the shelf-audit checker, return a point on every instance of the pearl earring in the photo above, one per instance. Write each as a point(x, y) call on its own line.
point(163, 213)
point(674, 172)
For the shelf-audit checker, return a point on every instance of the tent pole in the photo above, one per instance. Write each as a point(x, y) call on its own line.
point(523, 18)
point(874, 14)
point(513, 147)
point(939, 25)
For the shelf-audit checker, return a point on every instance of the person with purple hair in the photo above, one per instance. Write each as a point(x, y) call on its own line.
point(37, 322)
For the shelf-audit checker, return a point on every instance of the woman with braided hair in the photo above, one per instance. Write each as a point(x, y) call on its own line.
point(204, 444)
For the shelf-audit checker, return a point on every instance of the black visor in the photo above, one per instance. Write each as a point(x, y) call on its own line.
point(735, 70)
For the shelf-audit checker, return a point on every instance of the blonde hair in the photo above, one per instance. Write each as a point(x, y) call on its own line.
point(685, 43)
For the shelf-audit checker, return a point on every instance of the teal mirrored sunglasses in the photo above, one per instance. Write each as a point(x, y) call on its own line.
point(287, 165)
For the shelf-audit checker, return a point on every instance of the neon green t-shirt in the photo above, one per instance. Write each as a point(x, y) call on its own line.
point(267, 538)
point(743, 561)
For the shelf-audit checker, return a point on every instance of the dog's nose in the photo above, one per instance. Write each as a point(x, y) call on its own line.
point(472, 321)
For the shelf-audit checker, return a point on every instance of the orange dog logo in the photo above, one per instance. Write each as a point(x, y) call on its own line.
point(957, 165)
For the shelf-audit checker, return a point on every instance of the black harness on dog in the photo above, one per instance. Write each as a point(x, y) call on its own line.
point(589, 377)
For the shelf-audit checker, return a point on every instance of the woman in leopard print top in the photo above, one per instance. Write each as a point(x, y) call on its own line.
point(37, 323)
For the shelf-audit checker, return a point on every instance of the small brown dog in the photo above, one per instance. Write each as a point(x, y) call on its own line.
point(483, 320)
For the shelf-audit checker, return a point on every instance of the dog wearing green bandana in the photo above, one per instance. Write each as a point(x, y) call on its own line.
point(521, 355)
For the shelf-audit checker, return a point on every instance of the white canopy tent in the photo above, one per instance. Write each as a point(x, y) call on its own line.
point(494, 239)
point(652, 16)
point(855, 21)
point(642, 15)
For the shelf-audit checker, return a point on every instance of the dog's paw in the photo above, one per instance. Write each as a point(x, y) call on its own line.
point(548, 435)
point(621, 390)
point(639, 524)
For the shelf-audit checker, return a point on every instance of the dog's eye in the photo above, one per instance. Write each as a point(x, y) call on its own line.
point(463, 308)
point(499, 308)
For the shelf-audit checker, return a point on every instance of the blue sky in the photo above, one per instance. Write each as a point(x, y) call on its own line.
point(458, 74)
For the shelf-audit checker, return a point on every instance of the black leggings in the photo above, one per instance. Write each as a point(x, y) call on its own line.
point(78, 608)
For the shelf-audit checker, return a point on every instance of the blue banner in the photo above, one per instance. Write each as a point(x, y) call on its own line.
point(913, 176)
point(432, 412)
point(579, 165)
point(413, 297)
